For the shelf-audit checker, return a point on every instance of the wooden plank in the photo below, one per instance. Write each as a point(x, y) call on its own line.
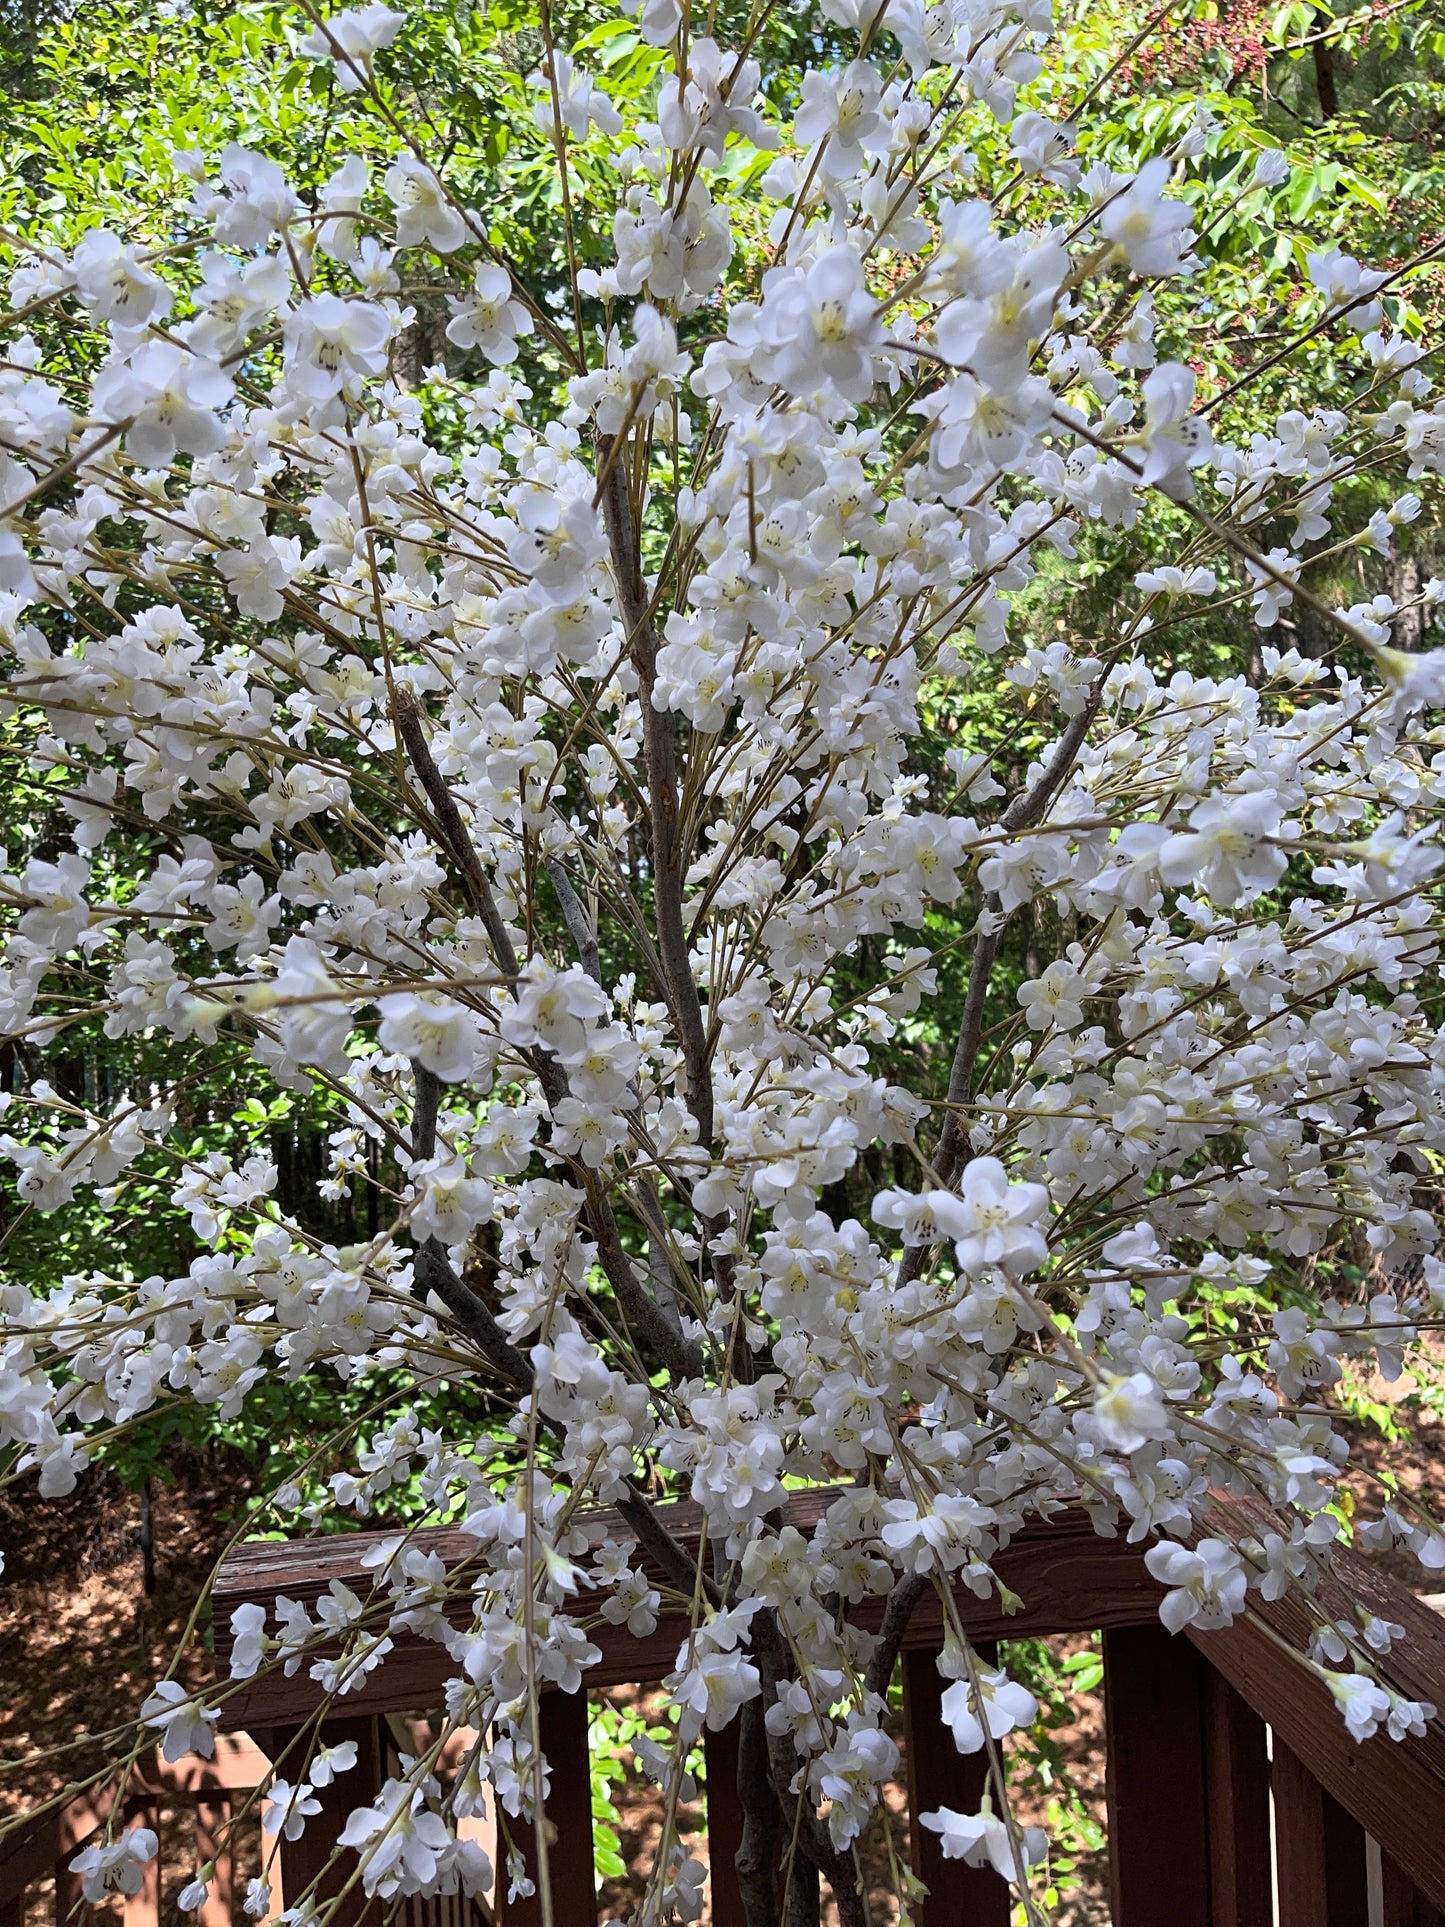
point(568, 1817)
point(306, 1860)
point(1069, 1579)
point(1158, 1819)
point(724, 1826)
point(1236, 1768)
point(1319, 1850)
point(940, 1776)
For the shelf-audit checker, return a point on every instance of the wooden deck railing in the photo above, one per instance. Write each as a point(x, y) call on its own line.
point(157, 1794)
point(1236, 1797)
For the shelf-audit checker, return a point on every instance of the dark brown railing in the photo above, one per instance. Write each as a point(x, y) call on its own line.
point(1236, 1797)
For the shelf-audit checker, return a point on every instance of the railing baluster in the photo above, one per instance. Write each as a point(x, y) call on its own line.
point(71, 1907)
point(143, 1908)
point(940, 1776)
point(305, 1860)
point(724, 1825)
point(1401, 1902)
point(1237, 1779)
point(1158, 1828)
point(213, 1844)
point(1320, 1866)
point(563, 1719)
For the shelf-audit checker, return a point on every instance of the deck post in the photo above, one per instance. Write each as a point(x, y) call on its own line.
point(1158, 1816)
point(306, 1860)
point(940, 1776)
point(563, 1719)
point(724, 1825)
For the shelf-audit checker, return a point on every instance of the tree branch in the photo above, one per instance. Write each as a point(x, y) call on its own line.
point(407, 714)
point(660, 1325)
point(1021, 814)
point(424, 1111)
point(683, 1571)
point(660, 757)
point(896, 1615)
point(433, 1272)
point(575, 918)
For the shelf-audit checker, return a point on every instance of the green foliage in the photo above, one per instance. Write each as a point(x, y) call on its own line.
point(1040, 1769)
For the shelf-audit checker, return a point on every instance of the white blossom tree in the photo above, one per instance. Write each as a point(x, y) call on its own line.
point(532, 770)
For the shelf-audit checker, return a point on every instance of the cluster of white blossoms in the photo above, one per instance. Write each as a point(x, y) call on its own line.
point(540, 786)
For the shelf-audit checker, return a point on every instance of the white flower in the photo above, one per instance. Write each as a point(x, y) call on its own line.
point(248, 1641)
point(714, 1687)
point(398, 1841)
point(1362, 1701)
point(1044, 147)
point(167, 398)
point(993, 1222)
point(999, 1706)
point(288, 1808)
point(1128, 1410)
point(439, 1034)
point(116, 1867)
point(329, 338)
point(1231, 849)
point(114, 284)
point(185, 1724)
point(488, 318)
point(982, 1840)
point(820, 324)
point(1171, 581)
point(257, 576)
point(1416, 679)
point(257, 202)
point(1209, 1583)
point(658, 20)
point(1347, 288)
point(581, 100)
point(351, 37)
point(1173, 438)
point(450, 1204)
point(424, 214)
point(1152, 233)
point(1055, 997)
point(328, 1761)
point(841, 110)
point(1271, 168)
